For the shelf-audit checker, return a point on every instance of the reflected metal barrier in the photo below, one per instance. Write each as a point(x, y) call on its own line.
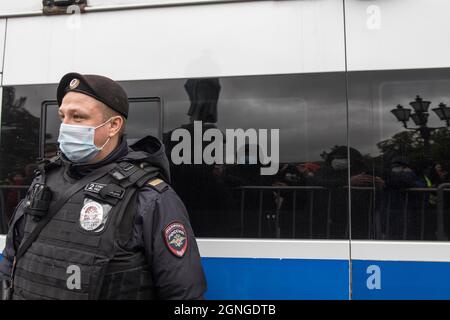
point(441, 189)
point(294, 189)
point(375, 227)
point(429, 199)
point(423, 193)
point(374, 222)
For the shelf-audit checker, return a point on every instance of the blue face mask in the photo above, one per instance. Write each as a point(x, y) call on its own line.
point(77, 142)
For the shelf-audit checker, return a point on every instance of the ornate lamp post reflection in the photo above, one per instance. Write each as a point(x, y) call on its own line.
point(420, 119)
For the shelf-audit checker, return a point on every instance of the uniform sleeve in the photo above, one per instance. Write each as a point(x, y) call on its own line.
point(170, 246)
point(13, 239)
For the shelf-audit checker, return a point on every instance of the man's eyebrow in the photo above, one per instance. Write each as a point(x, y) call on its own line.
point(72, 111)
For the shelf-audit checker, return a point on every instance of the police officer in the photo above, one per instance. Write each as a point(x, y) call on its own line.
point(100, 220)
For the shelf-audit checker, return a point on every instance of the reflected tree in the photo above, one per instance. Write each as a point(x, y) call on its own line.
point(19, 135)
point(411, 145)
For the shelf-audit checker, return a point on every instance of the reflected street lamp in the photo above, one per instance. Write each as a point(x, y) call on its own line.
point(443, 112)
point(420, 119)
point(402, 114)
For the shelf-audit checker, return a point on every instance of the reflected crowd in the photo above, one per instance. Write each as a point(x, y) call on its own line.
point(389, 184)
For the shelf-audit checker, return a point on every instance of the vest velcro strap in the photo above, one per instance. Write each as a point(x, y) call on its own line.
point(126, 166)
point(135, 178)
point(105, 190)
point(123, 170)
point(112, 190)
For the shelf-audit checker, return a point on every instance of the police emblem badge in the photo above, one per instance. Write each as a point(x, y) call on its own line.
point(91, 216)
point(74, 83)
point(176, 238)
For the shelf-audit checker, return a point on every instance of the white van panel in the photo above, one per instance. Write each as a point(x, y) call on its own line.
point(401, 34)
point(21, 6)
point(274, 248)
point(194, 41)
point(400, 251)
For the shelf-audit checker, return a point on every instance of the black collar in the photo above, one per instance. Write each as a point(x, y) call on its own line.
point(76, 170)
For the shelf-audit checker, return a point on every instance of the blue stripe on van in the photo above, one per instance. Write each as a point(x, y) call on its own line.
point(258, 278)
point(244, 278)
point(400, 280)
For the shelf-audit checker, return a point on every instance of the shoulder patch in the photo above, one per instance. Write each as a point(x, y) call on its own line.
point(176, 239)
point(155, 182)
point(158, 184)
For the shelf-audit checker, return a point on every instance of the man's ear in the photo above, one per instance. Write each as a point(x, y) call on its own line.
point(116, 125)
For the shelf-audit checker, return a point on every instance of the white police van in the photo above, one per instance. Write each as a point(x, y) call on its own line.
point(359, 207)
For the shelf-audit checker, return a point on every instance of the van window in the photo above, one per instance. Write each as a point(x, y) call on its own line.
point(306, 198)
point(285, 175)
point(400, 178)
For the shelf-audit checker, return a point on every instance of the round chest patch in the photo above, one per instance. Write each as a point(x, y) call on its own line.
point(176, 238)
point(91, 216)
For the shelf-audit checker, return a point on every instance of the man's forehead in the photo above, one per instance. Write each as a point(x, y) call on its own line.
point(79, 101)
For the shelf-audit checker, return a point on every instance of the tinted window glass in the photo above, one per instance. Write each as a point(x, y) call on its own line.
point(19, 143)
point(396, 191)
point(303, 115)
point(306, 198)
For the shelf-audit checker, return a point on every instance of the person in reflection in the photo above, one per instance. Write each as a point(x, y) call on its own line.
point(400, 175)
point(334, 176)
point(203, 187)
point(247, 173)
point(405, 186)
point(439, 175)
point(296, 174)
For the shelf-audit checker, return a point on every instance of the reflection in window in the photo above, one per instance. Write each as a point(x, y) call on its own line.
point(406, 145)
point(18, 149)
point(307, 198)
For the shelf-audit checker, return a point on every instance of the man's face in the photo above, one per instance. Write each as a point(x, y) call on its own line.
point(80, 109)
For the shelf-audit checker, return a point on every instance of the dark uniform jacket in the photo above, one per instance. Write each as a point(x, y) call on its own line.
point(175, 275)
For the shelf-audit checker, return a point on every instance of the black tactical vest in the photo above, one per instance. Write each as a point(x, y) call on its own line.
point(80, 253)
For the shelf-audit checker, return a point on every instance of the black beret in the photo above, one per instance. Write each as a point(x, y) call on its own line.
point(98, 87)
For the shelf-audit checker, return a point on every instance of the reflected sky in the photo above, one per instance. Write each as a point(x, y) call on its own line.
point(301, 106)
point(309, 109)
point(372, 95)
